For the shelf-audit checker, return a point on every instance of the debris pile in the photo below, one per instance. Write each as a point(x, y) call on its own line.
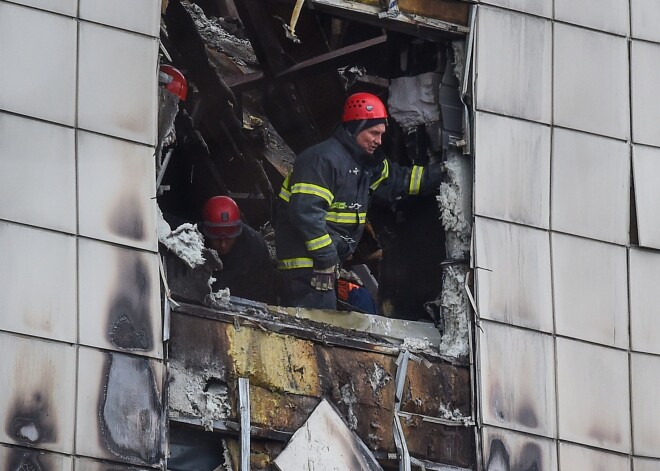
point(186, 242)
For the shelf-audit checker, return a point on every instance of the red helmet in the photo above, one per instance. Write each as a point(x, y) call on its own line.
point(174, 81)
point(363, 106)
point(221, 218)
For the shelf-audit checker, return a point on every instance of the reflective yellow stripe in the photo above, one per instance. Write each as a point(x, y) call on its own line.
point(415, 180)
point(310, 189)
point(346, 218)
point(285, 194)
point(383, 175)
point(318, 243)
point(290, 263)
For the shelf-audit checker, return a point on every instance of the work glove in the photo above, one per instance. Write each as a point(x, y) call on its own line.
point(435, 174)
point(324, 279)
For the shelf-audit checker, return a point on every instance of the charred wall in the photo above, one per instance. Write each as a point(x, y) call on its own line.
point(289, 374)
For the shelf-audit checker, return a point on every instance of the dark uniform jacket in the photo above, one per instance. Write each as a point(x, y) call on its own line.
point(247, 270)
point(322, 207)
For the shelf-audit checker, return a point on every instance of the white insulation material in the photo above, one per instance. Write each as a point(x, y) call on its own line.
point(186, 242)
point(187, 396)
point(414, 100)
point(455, 311)
point(218, 299)
point(454, 415)
point(416, 344)
point(349, 398)
point(455, 204)
point(459, 59)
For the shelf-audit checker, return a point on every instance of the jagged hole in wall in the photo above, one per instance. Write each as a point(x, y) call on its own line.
point(256, 98)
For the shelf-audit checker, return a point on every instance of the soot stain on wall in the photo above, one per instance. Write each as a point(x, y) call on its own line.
point(31, 420)
point(126, 220)
point(129, 316)
point(526, 415)
point(499, 458)
point(129, 409)
point(20, 460)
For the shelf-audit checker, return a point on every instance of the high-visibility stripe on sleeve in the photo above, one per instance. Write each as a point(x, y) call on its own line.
point(311, 189)
point(285, 194)
point(346, 217)
point(383, 175)
point(415, 180)
point(291, 263)
point(318, 243)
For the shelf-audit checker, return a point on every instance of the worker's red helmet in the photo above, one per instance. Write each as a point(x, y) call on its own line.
point(221, 218)
point(174, 81)
point(362, 106)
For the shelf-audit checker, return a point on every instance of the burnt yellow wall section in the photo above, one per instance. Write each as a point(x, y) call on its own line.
point(274, 361)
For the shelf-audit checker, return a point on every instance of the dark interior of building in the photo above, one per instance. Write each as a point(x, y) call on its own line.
point(256, 97)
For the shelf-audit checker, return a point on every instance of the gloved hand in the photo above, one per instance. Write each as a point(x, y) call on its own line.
point(324, 279)
point(435, 173)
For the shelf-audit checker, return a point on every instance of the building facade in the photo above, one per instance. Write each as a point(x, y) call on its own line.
point(565, 241)
point(565, 248)
point(81, 328)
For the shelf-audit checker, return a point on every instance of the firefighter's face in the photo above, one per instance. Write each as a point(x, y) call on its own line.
point(370, 139)
point(222, 246)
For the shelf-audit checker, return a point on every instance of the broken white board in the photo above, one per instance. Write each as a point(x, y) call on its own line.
point(325, 443)
point(414, 100)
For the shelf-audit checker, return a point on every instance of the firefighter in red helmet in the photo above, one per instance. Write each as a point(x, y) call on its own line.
point(247, 269)
point(322, 206)
point(173, 81)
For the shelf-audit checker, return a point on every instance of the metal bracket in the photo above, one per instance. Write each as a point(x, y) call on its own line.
point(399, 437)
point(244, 409)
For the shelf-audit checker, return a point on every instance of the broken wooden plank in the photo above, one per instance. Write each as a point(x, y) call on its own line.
point(424, 27)
point(240, 83)
point(288, 325)
point(330, 59)
point(397, 330)
point(221, 110)
point(451, 11)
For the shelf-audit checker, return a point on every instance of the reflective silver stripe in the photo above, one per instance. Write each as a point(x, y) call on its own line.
point(383, 175)
point(290, 263)
point(415, 180)
point(346, 218)
point(311, 189)
point(318, 243)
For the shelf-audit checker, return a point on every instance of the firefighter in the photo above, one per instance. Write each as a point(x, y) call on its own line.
point(247, 269)
point(322, 206)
